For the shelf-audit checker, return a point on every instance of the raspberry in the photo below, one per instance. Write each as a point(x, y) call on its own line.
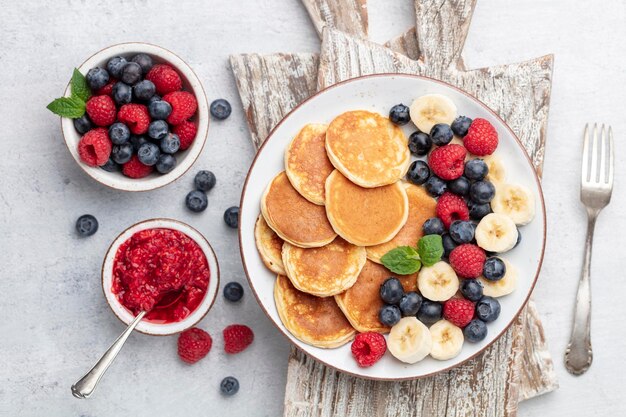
point(165, 79)
point(458, 311)
point(467, 260)
point(94, 148)
point(193, 345)
point(368, 348)
point(136, 117)
point(481, 138)
point(135, 169)
point(183, 104)
point(101, 110)
point(451, 207)
point(237, 338)
point(107, 89)
point(448, 162)
point(186, 132)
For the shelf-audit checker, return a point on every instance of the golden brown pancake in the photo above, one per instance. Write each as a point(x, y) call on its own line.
point(367, 148)
point(313, 320)
point(269, 245)
point(361, 303)
point(324, 271)
point(307, 164)
point(365, 216)
point(421, 208)
point(294, 218)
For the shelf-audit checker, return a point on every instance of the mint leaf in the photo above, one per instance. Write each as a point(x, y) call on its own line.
point(80, 89)
point(402, 260)
point(67, 107)
point(430, 249)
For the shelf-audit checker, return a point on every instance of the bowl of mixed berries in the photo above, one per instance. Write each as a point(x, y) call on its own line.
point(134, 116)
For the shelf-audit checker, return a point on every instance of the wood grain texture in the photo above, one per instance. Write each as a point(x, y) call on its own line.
point(349, 16)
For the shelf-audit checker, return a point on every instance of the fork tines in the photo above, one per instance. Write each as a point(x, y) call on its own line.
point(598, 157)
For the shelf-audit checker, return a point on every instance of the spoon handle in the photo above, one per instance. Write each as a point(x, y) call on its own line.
point(85, 386)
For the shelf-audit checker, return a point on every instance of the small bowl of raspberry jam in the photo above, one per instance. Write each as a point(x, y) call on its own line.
point(164, 267)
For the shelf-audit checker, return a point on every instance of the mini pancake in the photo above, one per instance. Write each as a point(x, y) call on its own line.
point(313, 320)
point(307, 164)
point(361, 303)
point(294, 218)
point(367, 148)
point(269, 245)
point(365, 216)
point(421, 208)
point(324, 271)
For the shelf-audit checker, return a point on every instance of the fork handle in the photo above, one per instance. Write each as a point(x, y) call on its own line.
point(578, 355)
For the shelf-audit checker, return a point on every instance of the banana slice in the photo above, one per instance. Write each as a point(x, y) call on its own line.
point(409, 340)
point(426, 111)
point(496, 233)
point(447, 340)
point(497, 172)
point(438, 282)
point(515, 201)
point(505, 285)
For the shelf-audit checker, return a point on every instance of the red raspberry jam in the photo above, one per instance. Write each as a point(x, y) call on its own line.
point(161, 271)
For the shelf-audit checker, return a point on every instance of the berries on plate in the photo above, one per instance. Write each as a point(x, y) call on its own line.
point(148, 154)
point(418, 172)
point(478, 211)
point(86, 225)
point(482, 192)
point(204, 180)
point(475, 331)
point(399, 115)
point(391, 290)
point(170, 143)
point(420, 143)
point(94, 148)
point(458, 311)
point(229, 386)
point(196, 201)
point(435, 186)
point(430, 312)
point(476, 169)
point(186, 132)
point(107, 90)
point(448, 244)
point(83, 124)
point(115, 66)
point(131, 73)
point(367, 348)
point(97, 78)
point(460, 125)
point(110, 166)
point(159, 109)
point(471, 289)
point(231, 217)
point(119, 133)
point(441, 134)
point(101, 110)
point(165, 79)
point(462, 231)
point(481, 138)
point(389, 315)
point(135, 116)
point(494, 269)
point(410, 303)
point(237, 337)
point(144, 90)
point(233, 291)
point(487, 309)
point(447, 162)
point(122, 153)
point(193, 345)
point(434, 226)
point(122, 93)
point(460, 186)
point(467, 260)
point(451, 207)
point(158, 129)
point(220, 109)
point(135, 169)
point(184, 105)
point(145, 62)
point(166, 163)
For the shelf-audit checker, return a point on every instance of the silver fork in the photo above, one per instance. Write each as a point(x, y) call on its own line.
point(596, 187)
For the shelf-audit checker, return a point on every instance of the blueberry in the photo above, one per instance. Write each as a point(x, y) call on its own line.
point(148, 154)
point(478, 211)
point(418, 172)
point(143, 90)
point(460, 125)
point(519, 237)
point(420, 143)
point(475, 331)
point(410, 303)
point(170, 143)
point(158, 129)
point(459, 186)
point(97, 78)
point(119, 133)
point(229, 386)
point(144, 61)
point(435, 186)
point(448, 244)
point(154, 98)
point(462, 231)
point(86, 225)
point(220, 109)
point(110, 166)
point(204, 180)
point(399, 115)
point(137, 141)
point(487, 309)
point(116, 65)
point(83, 124)
point(391, 291)
point(196, 201)
point(233, 291)
point(476, 169)
point(122, 153)
point(471, 289)
point(122, 93)
point(131, 73)
point(429, 312)
point(389, 315)
point(231, 217)
point(441, 134)
point(494, 269)
point(166, 163)
point(159, 110)
point(482, 192)
point(434, 226)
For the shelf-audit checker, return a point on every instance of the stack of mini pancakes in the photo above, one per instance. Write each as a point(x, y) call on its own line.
point(328, 218)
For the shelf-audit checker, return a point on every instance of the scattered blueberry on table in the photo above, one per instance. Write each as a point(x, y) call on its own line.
point(196, 201)
point(233, 291)
point(220, 109)
point(86, 225)
point(205, 180)
point(229, 386)
point(231, 217)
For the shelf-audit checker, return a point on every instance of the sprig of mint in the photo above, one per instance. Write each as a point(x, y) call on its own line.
point(406, 260)
point(74, 105)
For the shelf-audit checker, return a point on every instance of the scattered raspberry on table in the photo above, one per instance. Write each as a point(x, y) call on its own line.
point(193, 345)
point(237, 337)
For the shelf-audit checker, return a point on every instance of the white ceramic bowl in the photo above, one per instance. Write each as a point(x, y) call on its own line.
point(185, 159)
point(147, 327)
point(379, 93)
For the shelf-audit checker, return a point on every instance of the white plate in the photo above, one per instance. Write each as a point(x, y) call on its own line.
point(379, 93)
